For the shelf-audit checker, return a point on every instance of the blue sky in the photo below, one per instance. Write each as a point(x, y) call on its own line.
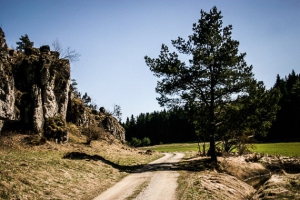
point(113, 36)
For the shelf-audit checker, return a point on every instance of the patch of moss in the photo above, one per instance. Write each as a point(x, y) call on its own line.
point(56, 128)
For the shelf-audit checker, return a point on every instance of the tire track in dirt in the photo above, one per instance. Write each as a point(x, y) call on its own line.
point(156, 181)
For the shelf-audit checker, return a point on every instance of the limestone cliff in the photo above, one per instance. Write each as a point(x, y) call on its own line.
point(35, 95)
point(34, 87)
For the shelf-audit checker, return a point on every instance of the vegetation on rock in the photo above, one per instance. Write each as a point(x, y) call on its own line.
point(56, 128)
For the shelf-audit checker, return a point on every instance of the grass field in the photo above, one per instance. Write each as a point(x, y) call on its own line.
point(284, 149)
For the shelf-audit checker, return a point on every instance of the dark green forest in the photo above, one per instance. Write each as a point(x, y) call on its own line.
point(175, 125)
point(161, 127)
point(286, 127)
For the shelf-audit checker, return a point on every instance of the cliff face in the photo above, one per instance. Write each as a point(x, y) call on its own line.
point(35, 95)
point(34, 86)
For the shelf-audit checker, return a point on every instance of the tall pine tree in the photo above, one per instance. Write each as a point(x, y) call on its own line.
point(216, 75)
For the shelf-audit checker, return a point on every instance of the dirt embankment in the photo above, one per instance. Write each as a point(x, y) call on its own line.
point(239, 177)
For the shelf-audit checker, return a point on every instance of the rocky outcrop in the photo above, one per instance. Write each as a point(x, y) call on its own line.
point(35, 95)
point(112, 125)
point(8, 111)
point(34, 86)
point(83, 116)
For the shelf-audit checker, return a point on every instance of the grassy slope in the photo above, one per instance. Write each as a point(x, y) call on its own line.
point(41, 172)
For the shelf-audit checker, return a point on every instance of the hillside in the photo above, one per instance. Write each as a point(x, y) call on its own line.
point(67, 171)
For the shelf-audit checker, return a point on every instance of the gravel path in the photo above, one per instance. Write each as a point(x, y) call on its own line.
point(156, 181)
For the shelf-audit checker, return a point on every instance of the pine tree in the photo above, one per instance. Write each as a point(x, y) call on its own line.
point(216, 76)
point(24, 43)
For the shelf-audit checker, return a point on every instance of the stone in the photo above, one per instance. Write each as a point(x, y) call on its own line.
point(45, 48)
point(38, 115)
point(32, 51)
point(112, 125)
point(40, 81)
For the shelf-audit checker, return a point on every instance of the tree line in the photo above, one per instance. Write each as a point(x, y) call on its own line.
point(175, 125)
point(287, 124)
point(167, 126)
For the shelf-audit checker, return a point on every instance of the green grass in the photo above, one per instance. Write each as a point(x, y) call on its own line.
point(284, 149)
point(175, 147)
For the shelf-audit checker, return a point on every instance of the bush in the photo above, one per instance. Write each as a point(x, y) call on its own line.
point(135, 142)
point(56, 128)
point(92, 132)
point(146, 141)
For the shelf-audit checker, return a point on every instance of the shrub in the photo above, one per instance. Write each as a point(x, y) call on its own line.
point(93, 132)
point(146, 141)
point(56, 128)
point(136, 142)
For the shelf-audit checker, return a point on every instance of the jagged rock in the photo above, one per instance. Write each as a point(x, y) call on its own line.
point(8, 111)
point(38, 115)
point(35, 95)
point(7, 96)
point(45, 48)
point(38, 79)
point(112, 125)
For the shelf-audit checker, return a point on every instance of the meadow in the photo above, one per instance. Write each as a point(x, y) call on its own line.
point(283, 149)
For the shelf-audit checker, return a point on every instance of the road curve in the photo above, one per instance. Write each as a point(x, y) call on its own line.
point(156, 181)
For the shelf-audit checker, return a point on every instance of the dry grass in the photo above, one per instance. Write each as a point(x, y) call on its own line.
point(42, 172)
point(233, 178)
point(199, 179)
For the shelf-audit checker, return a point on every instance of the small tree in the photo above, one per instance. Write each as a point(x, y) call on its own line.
point(117, 112)
point(74, 89)
point(67, 53)
point(24, 43)
point(86, 99)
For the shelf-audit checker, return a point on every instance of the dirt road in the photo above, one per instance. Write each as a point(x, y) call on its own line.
point(155, 181)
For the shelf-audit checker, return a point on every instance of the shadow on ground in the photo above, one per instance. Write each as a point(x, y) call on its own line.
point(184, 164)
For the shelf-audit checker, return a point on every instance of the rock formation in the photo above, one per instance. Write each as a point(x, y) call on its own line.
point(35, 95)
point(112, 125)
point(8, 111)
point(34, 86)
